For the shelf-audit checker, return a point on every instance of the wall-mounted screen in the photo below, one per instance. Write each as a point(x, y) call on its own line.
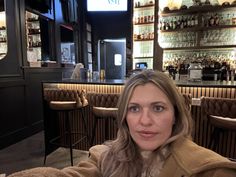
point(107, 5)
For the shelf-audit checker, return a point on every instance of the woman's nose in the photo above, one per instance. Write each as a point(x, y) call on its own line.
point(145, 118)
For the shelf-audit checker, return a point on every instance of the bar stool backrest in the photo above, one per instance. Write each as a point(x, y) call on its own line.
point(107, 100)
point(219, 125)
point(224, 107)
point(66, 95)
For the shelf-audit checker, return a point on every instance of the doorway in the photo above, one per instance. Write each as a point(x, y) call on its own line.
point(112, 57)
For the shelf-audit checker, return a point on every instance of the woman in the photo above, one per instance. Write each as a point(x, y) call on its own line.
point(153, 139)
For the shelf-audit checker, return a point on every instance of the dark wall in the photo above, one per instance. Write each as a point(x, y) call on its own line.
point(110, 25)
point(21, 111)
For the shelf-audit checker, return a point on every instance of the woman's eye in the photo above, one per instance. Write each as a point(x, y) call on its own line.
point(133, 108)
point(158, 108)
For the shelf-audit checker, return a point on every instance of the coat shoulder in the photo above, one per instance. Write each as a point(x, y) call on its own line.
point(193, 158)
point(96, 151)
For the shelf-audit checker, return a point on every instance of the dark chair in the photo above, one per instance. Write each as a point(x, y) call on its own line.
point(221, 115)
point(103, 108)
point(64, 103)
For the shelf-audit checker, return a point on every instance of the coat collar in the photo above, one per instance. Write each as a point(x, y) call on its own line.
point(192, 159)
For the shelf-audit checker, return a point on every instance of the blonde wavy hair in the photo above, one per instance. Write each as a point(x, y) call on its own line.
point(123, 157)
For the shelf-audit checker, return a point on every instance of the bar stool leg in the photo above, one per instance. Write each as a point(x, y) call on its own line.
point(44, 161)
point(106, 129)
point(94, 130)
point(214, 139)
point(70, 138)
point(85, 126)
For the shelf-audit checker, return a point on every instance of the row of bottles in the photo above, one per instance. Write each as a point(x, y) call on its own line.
point(33, 37)
point(178, 22)
point(195, 71)
point(144, 36)
point(33, 18)
point(3, 35)
point(206, 57)
point(34, 42)
point(143, 32)
point(217, 19)
point(3, 49)
point(141, 3)
point(177, 5)
point(33, 30)
point(144, 19)
point(188, 21)
point(207, 65)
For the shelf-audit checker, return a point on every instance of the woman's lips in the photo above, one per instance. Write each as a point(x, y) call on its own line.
point(147, 134)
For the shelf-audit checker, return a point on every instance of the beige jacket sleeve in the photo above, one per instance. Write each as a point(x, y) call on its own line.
point(86, 168)
point(218, 172)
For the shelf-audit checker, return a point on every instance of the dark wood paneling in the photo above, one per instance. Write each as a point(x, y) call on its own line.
point(34, 78)
point(21, 104)
point(20, 87)
point(13, 113)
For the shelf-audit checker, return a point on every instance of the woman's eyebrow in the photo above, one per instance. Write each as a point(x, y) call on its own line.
point(159, 102)
point(132, 103)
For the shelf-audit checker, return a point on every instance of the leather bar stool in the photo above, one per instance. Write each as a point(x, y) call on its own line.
point(102, 113)
point(64, 109)
point(221, 124)
point(221, 114)
point(103, 108)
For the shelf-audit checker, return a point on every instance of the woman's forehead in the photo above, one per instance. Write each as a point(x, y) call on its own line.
point(148, 91)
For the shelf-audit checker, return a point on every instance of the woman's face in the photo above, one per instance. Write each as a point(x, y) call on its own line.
point(150, 117)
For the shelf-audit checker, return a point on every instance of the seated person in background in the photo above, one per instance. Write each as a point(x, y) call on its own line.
point(153, 140)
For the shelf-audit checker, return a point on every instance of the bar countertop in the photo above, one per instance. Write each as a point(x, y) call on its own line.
point(122, 82)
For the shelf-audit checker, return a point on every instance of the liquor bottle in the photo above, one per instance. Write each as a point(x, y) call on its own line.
point(223, 72)
point(232, 75)
point(175, 23)
point(189, 21)
point(182, 22)
point(178, 23)
point(228, 20)
point(167, 26)
point(196, 21)
point(211, 21)
point(193, 21)
point(217, 19)
point(171, 24)
point(160, 25)
point(177, 75)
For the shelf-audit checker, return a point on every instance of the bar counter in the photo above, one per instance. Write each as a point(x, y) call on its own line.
point(196, 89)
point(122, 81)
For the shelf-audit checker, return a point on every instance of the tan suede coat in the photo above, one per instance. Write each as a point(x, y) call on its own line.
point(186, 160)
